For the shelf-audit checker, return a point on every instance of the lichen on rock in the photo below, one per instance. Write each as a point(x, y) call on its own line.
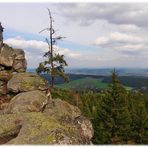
point(23, 82)
point(32, 101)
point(37, 128)
point(28, 116)
point(60, 109)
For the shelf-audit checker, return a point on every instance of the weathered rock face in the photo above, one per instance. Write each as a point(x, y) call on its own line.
point(37, 128)
point(25, 126)
point(5, 75)
point(3, 90)
point(33, 119)
point(69, 114)
point(85, 128)
point(23, 82)
point(7, 56)
point(29, 116)
point(11, 60)
point(32, 101)
point(61, 110)
point(14, 58)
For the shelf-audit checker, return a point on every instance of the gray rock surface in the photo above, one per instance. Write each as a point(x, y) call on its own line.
point(32, 101)
point(3, 89)
point(37, 128)
point(27, 115)
point(13, 58)
point(61, 110)
point(23, 82)
point(5, 75)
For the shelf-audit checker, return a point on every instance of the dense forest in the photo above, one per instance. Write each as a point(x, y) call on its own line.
point(119, 116)
point(99, 82)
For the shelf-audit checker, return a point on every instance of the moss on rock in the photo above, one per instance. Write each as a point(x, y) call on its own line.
point(60, 109)
point(23, 82)
point(37, 128)
point(32, 101)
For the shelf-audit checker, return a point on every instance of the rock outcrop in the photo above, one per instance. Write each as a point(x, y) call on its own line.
point(23, 82)
point(37, 128)
point(13, 58)
point(32, 101)
point(11, 61)
point(28, 115)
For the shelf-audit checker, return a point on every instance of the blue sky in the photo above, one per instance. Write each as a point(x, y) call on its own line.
point(10, 33)
point(97, 35)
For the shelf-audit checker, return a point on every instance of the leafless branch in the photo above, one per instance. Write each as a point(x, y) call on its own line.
point(44, 30)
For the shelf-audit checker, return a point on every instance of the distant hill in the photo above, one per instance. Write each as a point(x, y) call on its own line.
point(105, 71)
point(108, 71)
point(100, 82)
point(31, 70)
point(86, 83)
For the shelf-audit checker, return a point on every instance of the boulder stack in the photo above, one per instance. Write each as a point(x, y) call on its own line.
point(28, 115)
point(11, 61)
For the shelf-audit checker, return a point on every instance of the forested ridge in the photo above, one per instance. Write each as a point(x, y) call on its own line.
point(119, 116)
point(99, 82)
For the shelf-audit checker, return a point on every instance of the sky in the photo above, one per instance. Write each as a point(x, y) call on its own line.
point(97, 35)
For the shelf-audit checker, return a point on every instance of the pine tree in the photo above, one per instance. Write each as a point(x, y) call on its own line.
point(54, 63)
point(139, 126)
point(90, 103)
point(112, 124)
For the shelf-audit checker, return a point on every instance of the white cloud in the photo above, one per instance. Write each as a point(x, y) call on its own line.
point(75, 55)
point(101, 41)
point(128, 27)
point(132, 47)
point(35, 49)
point(119, 32)
point(85, 14)
point(118, 37)
point(121, 42)
point(122, 37)
point(19, 42)
point(66, 52)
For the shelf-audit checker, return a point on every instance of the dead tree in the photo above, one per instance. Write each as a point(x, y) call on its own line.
point(56, 61)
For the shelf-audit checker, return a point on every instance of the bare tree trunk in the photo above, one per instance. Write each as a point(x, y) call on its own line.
point(52, 81)
point(51, 47)
point(1, 39)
